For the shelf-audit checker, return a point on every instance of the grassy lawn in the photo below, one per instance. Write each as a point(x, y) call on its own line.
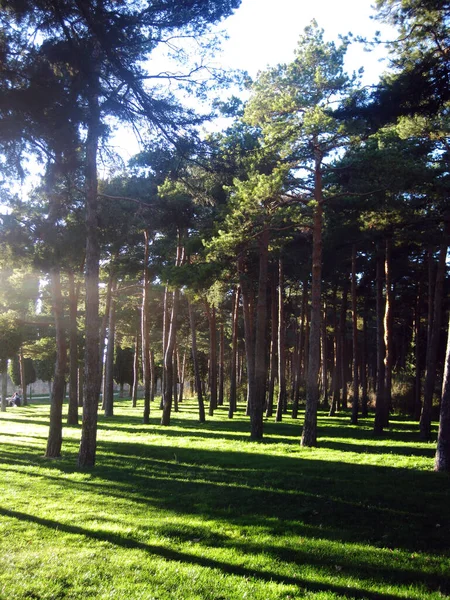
point(198, 512)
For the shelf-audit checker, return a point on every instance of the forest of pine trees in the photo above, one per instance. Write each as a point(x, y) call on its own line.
point(296, 259)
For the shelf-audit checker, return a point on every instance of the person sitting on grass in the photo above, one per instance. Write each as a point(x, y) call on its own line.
point(15, 400)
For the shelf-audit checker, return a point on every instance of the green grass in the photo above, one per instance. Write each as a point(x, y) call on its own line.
point(198, 512)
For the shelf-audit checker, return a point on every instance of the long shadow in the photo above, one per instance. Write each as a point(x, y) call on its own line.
point(297, 491)
point(185, 557)
point(384, 449)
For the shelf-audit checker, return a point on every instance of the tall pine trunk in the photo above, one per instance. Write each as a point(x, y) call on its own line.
point(309, 435)
point(281, 346)
point(211, 314)
point(88, 444)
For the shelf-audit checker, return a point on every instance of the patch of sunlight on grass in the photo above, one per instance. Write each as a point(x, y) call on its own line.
point(198, 512)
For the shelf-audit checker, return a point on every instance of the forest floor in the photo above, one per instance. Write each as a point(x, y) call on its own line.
point(198, 512)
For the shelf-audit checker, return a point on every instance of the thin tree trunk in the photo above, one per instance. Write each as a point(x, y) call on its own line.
point(23, 384)
point(355, 399)
point(363, 364)
point(198, 383)
point(380, 402)
point(80, 387)
point(442, 459)
point(88, 444)
point(256, 404)
point(54, 441)
point(182, 377)
point(301, 350)
point(324, 348)
point(343, 363)
point(221, 363)
point(432, 349)
point(145, 331)
point(211, 314)
point(165, 335)
point(335, 400)
point(103, 328)
point(4, 367)
point(273, 345)
point(281, 346)
point(168, 361)
point(134, 392)
point(72, 414)
point(247, 302)
point(388, 333)
point(234, 351)
point(417, 407)
point(108, 393)
point(175, 379)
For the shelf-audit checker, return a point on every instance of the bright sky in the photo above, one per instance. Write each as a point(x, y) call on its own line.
point(265, 32)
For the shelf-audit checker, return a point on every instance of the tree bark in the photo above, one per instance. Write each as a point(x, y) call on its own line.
point(88, 444)
point(281, 346)
point(72, 414)
point(432, 348)
point(301, 350)
point(309, 435)
point(355, 399)
point(54, 441)
point(442, 459)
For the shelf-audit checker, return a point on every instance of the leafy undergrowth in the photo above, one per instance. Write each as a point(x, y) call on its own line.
point(198, 512)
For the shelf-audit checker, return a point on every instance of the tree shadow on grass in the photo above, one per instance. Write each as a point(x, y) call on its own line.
point(193, 559)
